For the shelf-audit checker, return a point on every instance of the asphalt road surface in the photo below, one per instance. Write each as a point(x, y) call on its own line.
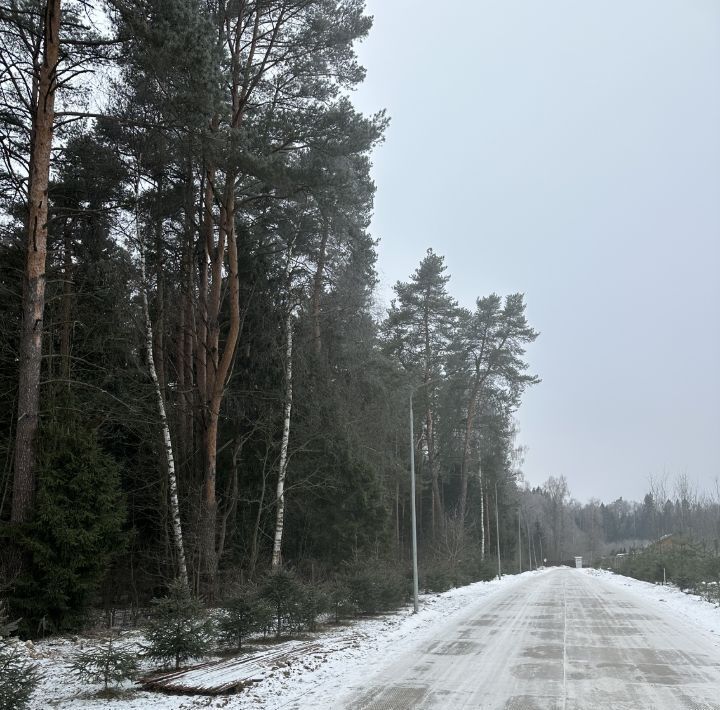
point(562, 641)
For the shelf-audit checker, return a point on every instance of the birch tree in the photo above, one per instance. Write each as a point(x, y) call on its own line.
point(176, 523)
point(282, 467)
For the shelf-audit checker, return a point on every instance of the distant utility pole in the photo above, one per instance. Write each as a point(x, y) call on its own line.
point(530, 557)
point(497, 532)
point(412, 509)
point(519, 544)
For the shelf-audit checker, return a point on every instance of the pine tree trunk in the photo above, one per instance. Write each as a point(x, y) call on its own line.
point(159, 330)
point(206, 238)
point(66, 324)
point(397, 518)
point(180, 357)
point(256, 527)
point(436, 512)
point(317, 291)
point(208, 423)
point(218, 369)
point(469, 424)
point(170, 459)
point(487, 521)
point(34, 285)
point(280, 514)
point(208, 511)
point(185, 336)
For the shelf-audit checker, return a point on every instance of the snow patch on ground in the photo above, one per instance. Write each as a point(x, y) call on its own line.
point(689, 607)
point(346, 656)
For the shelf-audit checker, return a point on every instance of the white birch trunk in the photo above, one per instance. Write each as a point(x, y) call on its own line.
point(280, 516)
point(170, 459)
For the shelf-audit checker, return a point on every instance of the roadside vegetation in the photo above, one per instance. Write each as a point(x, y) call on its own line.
point(676, 560)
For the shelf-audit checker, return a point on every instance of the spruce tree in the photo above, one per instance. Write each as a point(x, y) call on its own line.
point(283, 593)
point(18, 677)
point(76, 530)
point(108, 663)
point(180, 628)
point(243, 615)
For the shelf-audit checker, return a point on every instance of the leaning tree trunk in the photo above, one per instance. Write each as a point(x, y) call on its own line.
point(280, 514)
point(34, 285)
point(177, 535)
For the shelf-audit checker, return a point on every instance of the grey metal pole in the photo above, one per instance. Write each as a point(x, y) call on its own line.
point(527, 527)
point(497, 531)
point(519, 545)
point(412, 508)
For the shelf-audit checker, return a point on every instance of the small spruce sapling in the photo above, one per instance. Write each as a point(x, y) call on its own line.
point(18, 677)
point(314, 603)
point(180, 628)
point(282, 591)
point(264, 616)
point(340, 600)
point(107, 663)
point(243, 615)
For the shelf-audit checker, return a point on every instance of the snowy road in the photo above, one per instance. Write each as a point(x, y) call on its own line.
point(563, 640)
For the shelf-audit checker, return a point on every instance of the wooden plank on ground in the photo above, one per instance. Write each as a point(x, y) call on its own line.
point(232, 674)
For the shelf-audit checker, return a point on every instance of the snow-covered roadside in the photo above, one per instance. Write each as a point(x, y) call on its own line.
point(345, 657)
point(379, 638)
point(690, 607)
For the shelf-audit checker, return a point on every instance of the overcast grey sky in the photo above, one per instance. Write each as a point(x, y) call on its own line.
point(569, 149)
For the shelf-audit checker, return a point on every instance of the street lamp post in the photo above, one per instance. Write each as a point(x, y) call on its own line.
point(412, 493)
point(412, 508)
point(497, 530)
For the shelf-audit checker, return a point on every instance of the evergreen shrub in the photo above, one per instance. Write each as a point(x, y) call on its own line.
point(75, 533)
point(18, 676)
point(437, 577)
point(313, 603)
point(686, 564)
point(340, 599)
point(376, 587)
point(109, 663)
point(283, 592)
point(180, 628)
point(485, 570)
point(243, 615)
